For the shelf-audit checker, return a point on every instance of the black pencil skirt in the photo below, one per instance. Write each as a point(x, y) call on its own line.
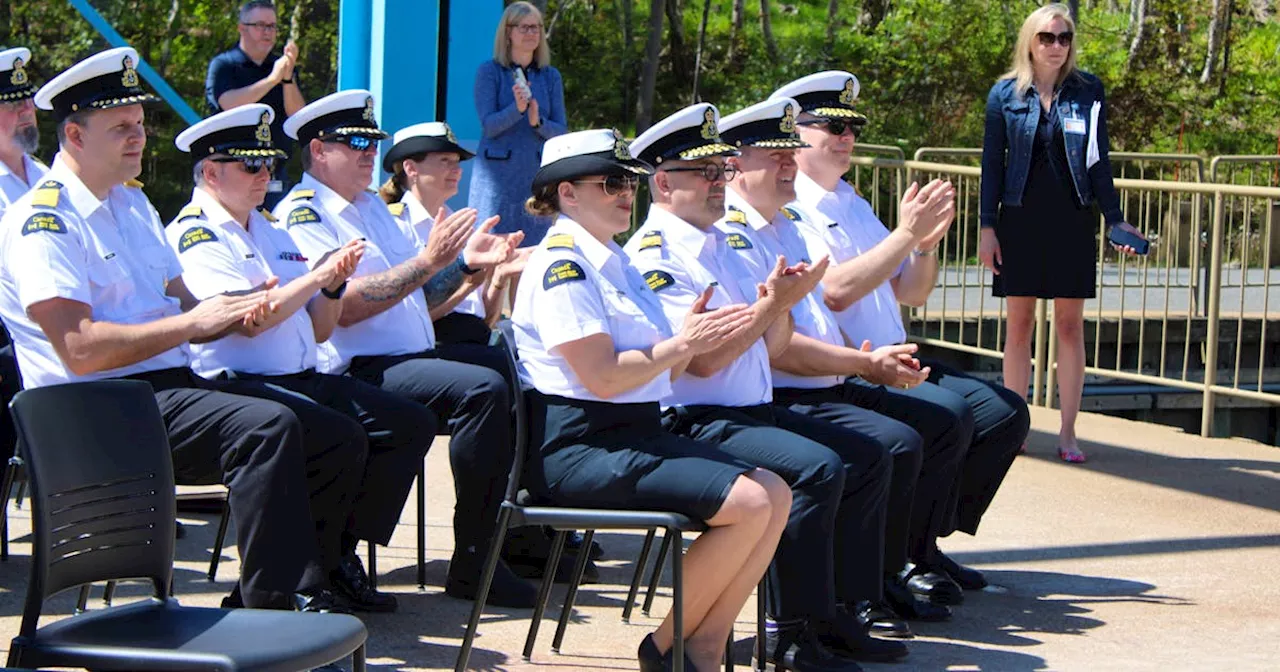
point(1048, 244)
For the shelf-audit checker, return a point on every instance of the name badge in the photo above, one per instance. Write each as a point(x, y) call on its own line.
point(1074, 126)
point(275, 186)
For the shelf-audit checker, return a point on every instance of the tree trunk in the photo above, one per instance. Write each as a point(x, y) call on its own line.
point(735, 27)
point(170, 32)
point(555, 17)
point(679, 54)
point(874, 12)
point(649, 78)
point(627, 8)
point(1137, 27)
point(829, 46)
point(702, 43)
point(1074, 6)
point(5, 15)
point(1226, 51)
point(766, 29)
point(1216, 25)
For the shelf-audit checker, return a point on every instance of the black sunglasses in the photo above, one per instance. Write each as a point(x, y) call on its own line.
point(614, 184)
point(1047, 39)
point(835, 126)
point(253, 166)
point(711, 172)
point(359, 143)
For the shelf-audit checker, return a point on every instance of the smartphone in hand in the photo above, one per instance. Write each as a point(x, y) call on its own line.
point(1121, 237)
point(522, 81)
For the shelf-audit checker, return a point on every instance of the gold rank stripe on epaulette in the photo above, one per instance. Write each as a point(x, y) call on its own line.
point(47, 194)
point(302, 193)
point(135, 184)
point(266, 214)
point(396, 209)
point(559, 241)
point(736, 216)
point(651, 239)
point(791, 214)
point(192, 210)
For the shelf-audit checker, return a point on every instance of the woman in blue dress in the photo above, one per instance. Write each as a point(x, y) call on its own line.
point(520, 102)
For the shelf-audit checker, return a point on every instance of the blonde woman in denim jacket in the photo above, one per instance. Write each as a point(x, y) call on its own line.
point(1044, 168)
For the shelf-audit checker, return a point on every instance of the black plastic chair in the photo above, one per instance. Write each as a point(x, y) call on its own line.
point(102, 504)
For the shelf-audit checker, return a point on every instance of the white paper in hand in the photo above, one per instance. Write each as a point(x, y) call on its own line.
point(1092, 156)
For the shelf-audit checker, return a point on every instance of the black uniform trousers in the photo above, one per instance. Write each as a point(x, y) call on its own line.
point(292, 466)
point(475, 403)
point(906, 524)
point(1000, 425)
point(831, 548)
point(10, 385)
point(399, 431)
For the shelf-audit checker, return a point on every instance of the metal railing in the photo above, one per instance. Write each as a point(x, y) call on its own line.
point(1193, 314)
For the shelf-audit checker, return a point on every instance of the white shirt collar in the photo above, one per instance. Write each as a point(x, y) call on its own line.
point(417, 212)
point(596, 253)
point(678, 232)
point(754, 219)
point(326, 197)
point(83, 200)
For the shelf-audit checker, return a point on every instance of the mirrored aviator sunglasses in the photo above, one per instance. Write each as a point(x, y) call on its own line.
point(359, 143)
point(614, 185)
point(253, 166)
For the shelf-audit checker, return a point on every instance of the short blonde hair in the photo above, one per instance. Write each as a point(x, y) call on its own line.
point(502, 45)
point(1022, 71)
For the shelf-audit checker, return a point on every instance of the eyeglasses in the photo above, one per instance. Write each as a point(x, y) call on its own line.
point(264, 27)
point(528, 28)
point(359, 143)
point(835, 126)
point(614, 185)
point(711, 172)
point(253, 166)
point(1047, 39)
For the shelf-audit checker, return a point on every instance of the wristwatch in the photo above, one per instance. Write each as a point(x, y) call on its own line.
point(466, 270)
point(925, 253)
point(335, 295)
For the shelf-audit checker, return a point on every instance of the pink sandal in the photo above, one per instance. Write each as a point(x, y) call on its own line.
point(1073, 456)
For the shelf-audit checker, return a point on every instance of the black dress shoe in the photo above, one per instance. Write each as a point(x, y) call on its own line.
point(506, 590)
point(320, 601)
point(352, 583)
point(845, 637)
point(573, 543)
point(966, 577)
point(878, 618)
point(527, 549)
point(911, 607)
point(796, 649)
point(652, 661)
point(933, 585)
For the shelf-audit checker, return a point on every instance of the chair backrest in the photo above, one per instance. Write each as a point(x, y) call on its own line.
point(504, 337)
point(102, 497)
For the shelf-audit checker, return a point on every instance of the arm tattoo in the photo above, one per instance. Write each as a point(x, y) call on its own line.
point(393, 284)
point(442, 285)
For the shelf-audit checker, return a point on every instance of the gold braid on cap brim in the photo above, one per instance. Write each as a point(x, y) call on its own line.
point(272, 153)
point(713, 149)
point(638, 170)
point(365, 131)
point(839, 113)
point(780, 143)
point(20, 94)
point(108, 103)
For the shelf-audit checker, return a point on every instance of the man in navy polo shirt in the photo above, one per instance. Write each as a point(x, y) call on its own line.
point(247, 73)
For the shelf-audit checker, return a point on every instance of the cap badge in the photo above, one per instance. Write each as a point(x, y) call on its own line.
point(709, 131)
point(263, 132)
point(368, 110)
point(19, 76)
point(620, 150)
point(788, 123)
point(448, 134)
point(846, 96)
point(130, 76)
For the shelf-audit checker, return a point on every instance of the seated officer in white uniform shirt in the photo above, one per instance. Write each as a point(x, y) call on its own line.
point(226, 245)
point(725, 396)
point(425, 167)
point(817, 361)
point(874, 271)
point(384, 335)
point(90, 290)
point(19, 172)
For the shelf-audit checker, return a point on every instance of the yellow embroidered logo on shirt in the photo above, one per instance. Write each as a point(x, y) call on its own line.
point(738, 241)
point(561, 272)
point(561, 241)
point(44, 221)
point(302, 215)
point(658, 280)
point(194, 236)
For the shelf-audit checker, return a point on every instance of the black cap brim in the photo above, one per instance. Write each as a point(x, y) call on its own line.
point(423, 144)
point(583, 165)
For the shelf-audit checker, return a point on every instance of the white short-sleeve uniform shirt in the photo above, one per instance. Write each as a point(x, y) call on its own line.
point(573, 287)
point(60, 241)
point(678, 261)
point(220, 255)
point(759, 243)
point(319, 220)
point(414, 217)
point(13, 187)
point(842, 223)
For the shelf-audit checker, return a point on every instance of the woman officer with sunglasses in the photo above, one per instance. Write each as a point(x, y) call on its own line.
point(595, 345)
point(1044, 167)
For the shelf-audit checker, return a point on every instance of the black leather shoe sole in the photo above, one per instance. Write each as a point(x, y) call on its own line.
point(381, 604)
point(891, 629)
point(939, 594)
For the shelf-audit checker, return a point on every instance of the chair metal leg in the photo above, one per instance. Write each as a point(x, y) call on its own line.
point(486, 579)
point(373, 564)
point(761, 591)
point(110, 592)
point(641, 562)
point(422, 526)
point(6, 489)
point(22, 494)
point(677, 593)
point(357, 660)
point(579, 567)
point(657, 574)
point(83, 601)
point(219, 540)
point(544, 591)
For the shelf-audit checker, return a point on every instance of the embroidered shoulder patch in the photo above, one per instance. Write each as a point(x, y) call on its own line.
point(266, 214)
point(651, 239)
point(396, 209)
point(44, 221)
point(735, 215)
point(302, 215)
point(560, 241)
point(561, 272)
point(194, 236)
point(189, 212)
point(792, 214)
point(302, 193)
point(739, 242)
point(659, 280)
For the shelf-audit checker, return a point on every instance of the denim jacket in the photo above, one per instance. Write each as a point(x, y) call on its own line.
point(1011, 131)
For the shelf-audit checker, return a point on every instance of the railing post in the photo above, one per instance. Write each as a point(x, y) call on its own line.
point(1042, 332)
point(1213, 315)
